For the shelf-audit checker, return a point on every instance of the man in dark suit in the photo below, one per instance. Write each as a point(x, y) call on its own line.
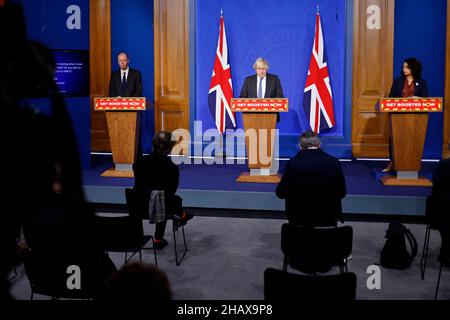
point(262, 84)
point(313, 185)
point(125, 82)
point(441, 193)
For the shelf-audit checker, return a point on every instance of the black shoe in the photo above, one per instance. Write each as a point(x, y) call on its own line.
point(160, 244)
point(184, 218)
point(388, 168)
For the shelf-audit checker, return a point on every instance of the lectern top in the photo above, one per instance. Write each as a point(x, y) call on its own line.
point(259, 105)
point(411, 104)
point(119, 103)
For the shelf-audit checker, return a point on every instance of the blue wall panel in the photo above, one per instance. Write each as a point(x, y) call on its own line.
point(46, 23)
point(283, 33)
point(132, 32)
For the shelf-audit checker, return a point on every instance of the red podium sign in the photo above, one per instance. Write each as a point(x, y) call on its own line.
point(259, 105)
point(411, 104)
point(119, 104)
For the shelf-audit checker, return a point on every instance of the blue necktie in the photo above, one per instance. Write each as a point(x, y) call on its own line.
point(260, 95)
point(124, 84)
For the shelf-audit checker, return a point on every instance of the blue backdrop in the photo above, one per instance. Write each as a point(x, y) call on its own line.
point(419, 32)
point(132, 32)
point(46, 23)
point(283, 33)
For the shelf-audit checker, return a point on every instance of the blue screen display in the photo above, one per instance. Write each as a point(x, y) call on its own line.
point(72, 72)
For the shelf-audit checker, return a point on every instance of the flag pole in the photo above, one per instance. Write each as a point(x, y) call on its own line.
point(221, 151)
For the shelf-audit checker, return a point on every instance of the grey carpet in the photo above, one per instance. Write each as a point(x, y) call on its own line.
point(227, 258)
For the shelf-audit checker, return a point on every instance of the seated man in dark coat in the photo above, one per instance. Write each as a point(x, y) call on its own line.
point(441, 192)
point(157, 172)
point(313, 185)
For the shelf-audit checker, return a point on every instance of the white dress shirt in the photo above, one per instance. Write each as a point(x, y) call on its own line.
point(126, 74)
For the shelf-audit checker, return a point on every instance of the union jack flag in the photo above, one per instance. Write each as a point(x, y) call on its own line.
point(318, 99)
point(221, 88)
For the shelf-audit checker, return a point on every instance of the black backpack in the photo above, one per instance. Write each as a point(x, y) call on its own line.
point(394, 254)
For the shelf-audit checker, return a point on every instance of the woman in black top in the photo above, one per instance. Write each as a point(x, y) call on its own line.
point(409, 84)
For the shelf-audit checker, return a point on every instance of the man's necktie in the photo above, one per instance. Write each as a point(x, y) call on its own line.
point(124, 85)
point(260, 95)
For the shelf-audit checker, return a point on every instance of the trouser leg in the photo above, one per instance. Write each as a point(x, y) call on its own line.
point(160, 228)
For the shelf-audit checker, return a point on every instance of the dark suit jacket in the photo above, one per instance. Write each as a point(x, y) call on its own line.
point(134, 84)
point(273, 88)
point(158, 172)
point(439, 202)
point(420, 88)
point(441, 179)
point(313, 185)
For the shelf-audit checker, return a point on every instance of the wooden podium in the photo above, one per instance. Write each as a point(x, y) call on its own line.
point(408, 120)
point(260, 117)
point(122, 117)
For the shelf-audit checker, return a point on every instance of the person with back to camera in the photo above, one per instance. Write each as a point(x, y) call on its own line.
point(441, 191)
point(409, 84)
point(156, 171)
point(313, 185)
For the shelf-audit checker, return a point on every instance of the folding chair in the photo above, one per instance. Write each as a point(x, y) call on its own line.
point(123, 234)
point(316, 248)
point(281, 285)
point(138, 206)
point(435, 213)
point(47, 274)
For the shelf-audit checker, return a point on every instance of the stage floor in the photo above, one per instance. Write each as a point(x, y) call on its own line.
point(214, 186)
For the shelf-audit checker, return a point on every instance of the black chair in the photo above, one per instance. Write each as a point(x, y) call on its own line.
point(47, 274)
point(436, 215)
point(281, 285)
point(441, 266)
point(13, 263)
point(316, 249)
point(328, 209)
point(123, 234)
point(138, 206)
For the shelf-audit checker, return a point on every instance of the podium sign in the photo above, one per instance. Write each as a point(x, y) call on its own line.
point(408, 121)
point(259, 105)
point(119, 104)
point(122, 117)
point(411, 105)
point(259, 116)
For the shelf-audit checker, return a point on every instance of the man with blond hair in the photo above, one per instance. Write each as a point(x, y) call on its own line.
point(262, 84)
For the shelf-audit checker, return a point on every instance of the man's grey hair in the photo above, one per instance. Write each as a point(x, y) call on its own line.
point(162, 142)
point(123, 52)
point(261, 61)
point(309, 139)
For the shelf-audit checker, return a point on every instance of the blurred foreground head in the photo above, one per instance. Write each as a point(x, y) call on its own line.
point(138, 282)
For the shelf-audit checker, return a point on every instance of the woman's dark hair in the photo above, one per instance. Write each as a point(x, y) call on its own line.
point(162, 143)
point(415, 66)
